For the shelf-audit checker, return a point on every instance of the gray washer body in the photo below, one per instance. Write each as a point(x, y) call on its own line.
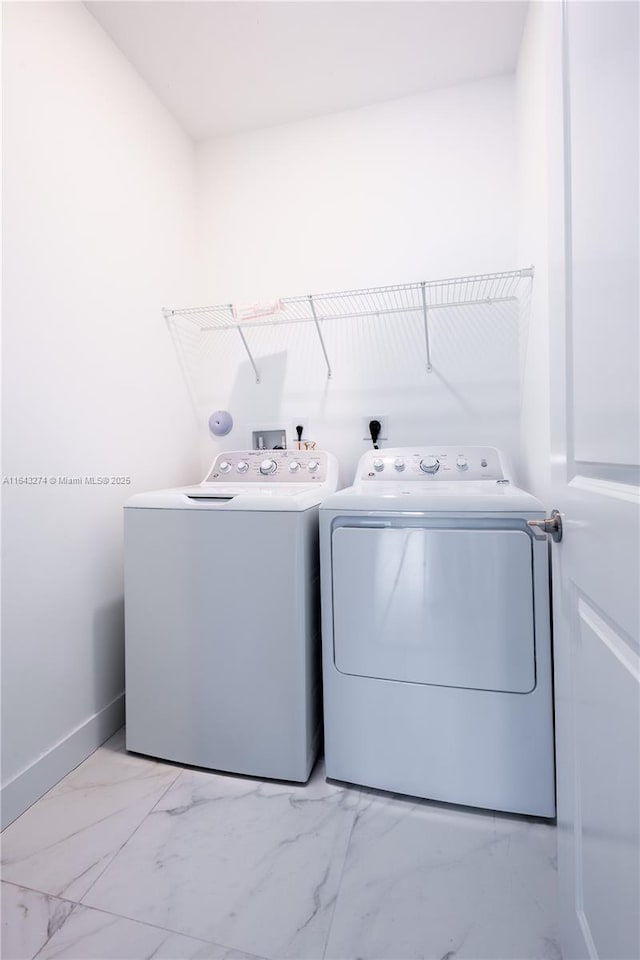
point(222, 636)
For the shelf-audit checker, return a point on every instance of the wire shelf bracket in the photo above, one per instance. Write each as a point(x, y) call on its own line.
point(415, 299)
point(425, 311)
point(324, 349)
point(246, 346)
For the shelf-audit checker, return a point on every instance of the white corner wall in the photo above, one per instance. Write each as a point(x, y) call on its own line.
point(98, 235)
point(415, 189)
point(532, 92)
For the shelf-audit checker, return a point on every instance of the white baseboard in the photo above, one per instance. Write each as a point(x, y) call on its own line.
point(33, 782)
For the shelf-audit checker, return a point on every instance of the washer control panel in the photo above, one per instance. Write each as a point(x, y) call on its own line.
point(269, 466)
point(433, 464)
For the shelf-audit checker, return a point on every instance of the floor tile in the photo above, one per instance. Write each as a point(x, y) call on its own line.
point(246, 863)
point(28, 920)
point(64, 841)
point(92, 935)
point(427, 881)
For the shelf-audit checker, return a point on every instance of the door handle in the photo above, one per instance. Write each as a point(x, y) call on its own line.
point(551, 525)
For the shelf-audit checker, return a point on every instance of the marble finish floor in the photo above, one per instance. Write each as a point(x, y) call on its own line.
point(128, 858)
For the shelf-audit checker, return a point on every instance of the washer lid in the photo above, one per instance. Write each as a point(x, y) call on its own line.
point(290, 498)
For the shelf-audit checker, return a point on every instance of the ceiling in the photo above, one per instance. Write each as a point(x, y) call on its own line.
point(229, 66)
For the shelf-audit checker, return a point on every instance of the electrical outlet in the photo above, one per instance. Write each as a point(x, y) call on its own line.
point(366, 435)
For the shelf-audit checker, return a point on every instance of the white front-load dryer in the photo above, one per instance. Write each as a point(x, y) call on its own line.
point(222, 629)
point(436, 631)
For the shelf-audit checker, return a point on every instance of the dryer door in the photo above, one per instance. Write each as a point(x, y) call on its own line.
point(451, 607)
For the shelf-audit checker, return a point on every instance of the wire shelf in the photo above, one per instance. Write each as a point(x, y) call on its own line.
point(398, 300)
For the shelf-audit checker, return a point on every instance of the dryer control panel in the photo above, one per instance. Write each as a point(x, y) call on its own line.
point(271, 466)
point(430, 464)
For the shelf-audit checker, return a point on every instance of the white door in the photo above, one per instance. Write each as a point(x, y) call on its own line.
point(595, 437)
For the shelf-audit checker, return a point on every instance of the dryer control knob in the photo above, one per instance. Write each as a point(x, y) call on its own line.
point(462, 463)
point(294, 466)
point(429, 464)
point(242, 467)
point(268, 466)
point(225, 466)
point(378, 464)
point(314, 465)
point(398, 463)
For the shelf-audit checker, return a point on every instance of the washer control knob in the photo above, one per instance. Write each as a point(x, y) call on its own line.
point(462, 463)
point(294, 466)
point(225, 466)
point(268, 466)
point(398, 463)
point(242, 467)
point(378, 464)
point(314, 466)
point(429, 464)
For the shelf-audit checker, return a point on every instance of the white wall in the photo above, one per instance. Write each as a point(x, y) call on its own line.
point(533, 245)
point(98, 235)
point(418, 188)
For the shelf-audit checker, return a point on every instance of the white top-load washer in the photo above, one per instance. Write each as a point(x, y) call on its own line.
point(222, 615)
point(436, 631)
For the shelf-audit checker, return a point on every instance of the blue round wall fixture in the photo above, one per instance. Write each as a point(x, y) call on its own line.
point(220, 423)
